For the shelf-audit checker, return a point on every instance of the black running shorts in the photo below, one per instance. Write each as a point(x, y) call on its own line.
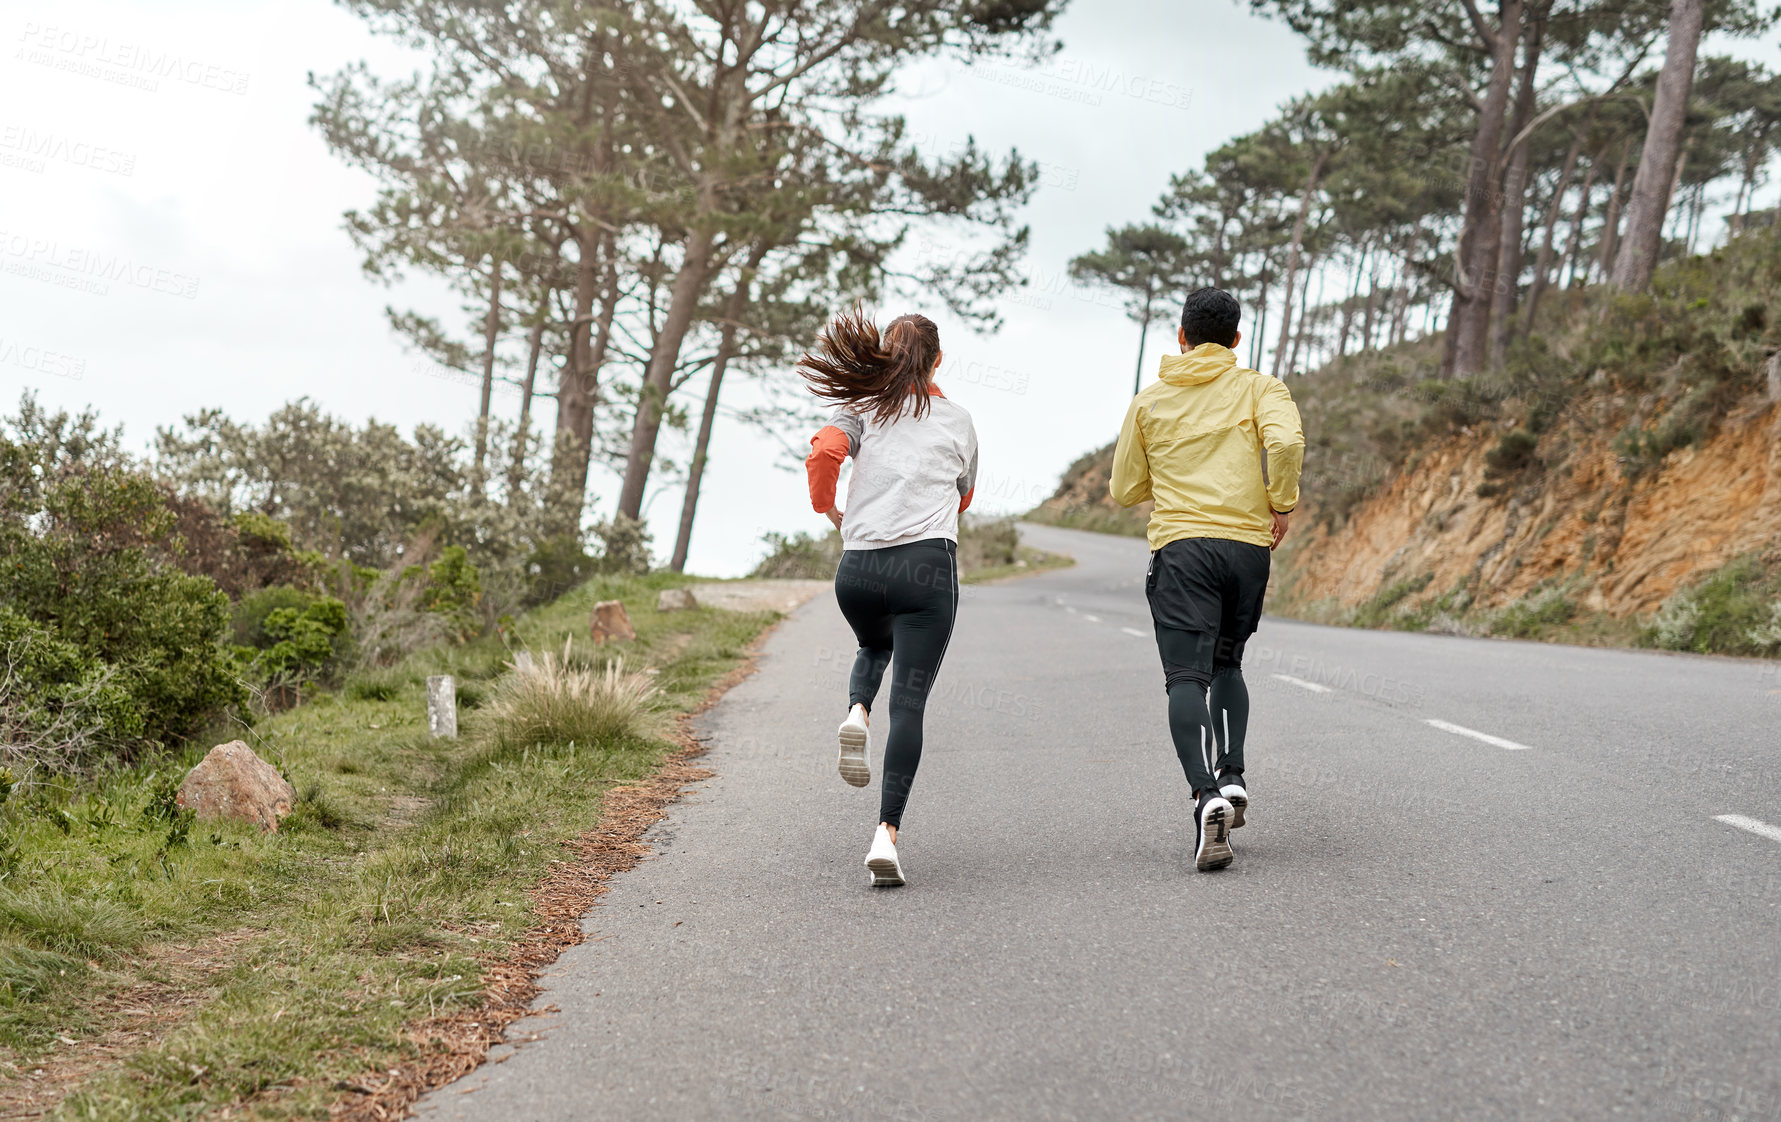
point(1206, 601)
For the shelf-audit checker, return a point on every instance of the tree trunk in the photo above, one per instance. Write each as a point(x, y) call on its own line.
point(1650, 200)
point(1348, 305)
point(1143, 334)
point(578, 387)
point(1298, 334)
point(1292, 260)
point(1574, 241)
point(578, 384)
point(652, 397)
point(1475, 259)
point(689, 503)
point(1676, 192)
point(1400, 316)
point(1261, 324)
point(491, 330)
point(1746, 188)
point(1543, 263)
point(535, 346)
point(1611, 221)
point(1367, 322)
point(1513, 206)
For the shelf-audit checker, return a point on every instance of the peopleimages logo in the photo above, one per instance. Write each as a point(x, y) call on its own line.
point(27, 356)
point(87, 270)
point(26, 147)
point(121, 62)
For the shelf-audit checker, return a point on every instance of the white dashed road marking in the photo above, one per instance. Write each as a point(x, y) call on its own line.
point(1461, 730)
point(1760, 828)
point(1134, 631)
point(1091, 619)
point(1314, 687)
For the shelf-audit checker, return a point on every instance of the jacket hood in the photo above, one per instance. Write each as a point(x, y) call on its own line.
point(1198, 366)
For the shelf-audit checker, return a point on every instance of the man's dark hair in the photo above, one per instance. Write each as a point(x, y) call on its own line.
point(1210, 315)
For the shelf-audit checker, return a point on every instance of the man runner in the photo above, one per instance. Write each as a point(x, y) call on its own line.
point(1219, 448)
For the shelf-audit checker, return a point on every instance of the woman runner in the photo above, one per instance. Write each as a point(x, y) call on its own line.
point(914, 466)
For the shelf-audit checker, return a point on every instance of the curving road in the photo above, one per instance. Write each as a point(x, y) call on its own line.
point(1480, 880)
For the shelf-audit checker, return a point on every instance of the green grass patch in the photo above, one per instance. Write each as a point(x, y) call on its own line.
point(1093, 518)
point(1027, 562)
point(1380, 609)
point(404, 860)
point(1536, 615)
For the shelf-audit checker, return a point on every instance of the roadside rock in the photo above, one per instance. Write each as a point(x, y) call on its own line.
point(610, 622)
point(231, 781)
point(676, 600)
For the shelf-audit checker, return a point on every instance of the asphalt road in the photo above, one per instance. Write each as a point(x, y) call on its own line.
point(1419, 924)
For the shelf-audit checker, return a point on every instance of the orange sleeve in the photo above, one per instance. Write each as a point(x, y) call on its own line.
point(965, 503)
point(827, 449)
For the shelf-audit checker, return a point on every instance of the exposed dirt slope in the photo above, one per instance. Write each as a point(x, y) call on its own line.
point(1618, 546)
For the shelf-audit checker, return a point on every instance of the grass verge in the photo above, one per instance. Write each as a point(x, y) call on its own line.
point(1028, 562)
point(151, 967)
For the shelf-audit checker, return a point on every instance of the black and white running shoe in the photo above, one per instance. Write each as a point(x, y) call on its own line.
point(1230, 785)
point(1212, 847)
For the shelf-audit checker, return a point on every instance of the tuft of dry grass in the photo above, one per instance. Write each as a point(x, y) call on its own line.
point(561, 701)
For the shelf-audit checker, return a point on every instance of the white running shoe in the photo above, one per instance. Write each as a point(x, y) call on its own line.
point(856, 748)
point(1236, 794)
point(1212, 849)
point(881, 860)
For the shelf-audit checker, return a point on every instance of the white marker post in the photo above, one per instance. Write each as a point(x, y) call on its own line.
point(442, 706)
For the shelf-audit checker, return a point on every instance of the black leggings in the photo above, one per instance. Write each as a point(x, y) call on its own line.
point(901, 603)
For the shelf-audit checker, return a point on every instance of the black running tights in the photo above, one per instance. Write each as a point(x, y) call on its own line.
point(901, 603)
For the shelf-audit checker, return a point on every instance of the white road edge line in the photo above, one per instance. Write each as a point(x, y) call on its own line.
point(1756, 826)
point(1314, 687)
point(1461, 730)
point(1134, 631)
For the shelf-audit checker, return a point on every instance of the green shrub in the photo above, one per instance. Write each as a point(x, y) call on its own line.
point(243, 554)
point(1513, 454)
point(1377, 611)
point(304, 644)
point(987, 543)
point(247, 618)
point(625, 545)
point(420, 606)
point(555, 567)
point(60, 709)
point(1532, 615)
point(90, 557)
point(799, 557)
point(453, 585)
point(1734, 610)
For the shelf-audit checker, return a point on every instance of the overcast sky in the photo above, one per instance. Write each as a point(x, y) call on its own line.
point(245, 292)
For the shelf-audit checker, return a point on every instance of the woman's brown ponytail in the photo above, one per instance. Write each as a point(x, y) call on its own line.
point(876, 375)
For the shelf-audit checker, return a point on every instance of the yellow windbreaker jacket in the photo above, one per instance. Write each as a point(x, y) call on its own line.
point(1216, 445)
